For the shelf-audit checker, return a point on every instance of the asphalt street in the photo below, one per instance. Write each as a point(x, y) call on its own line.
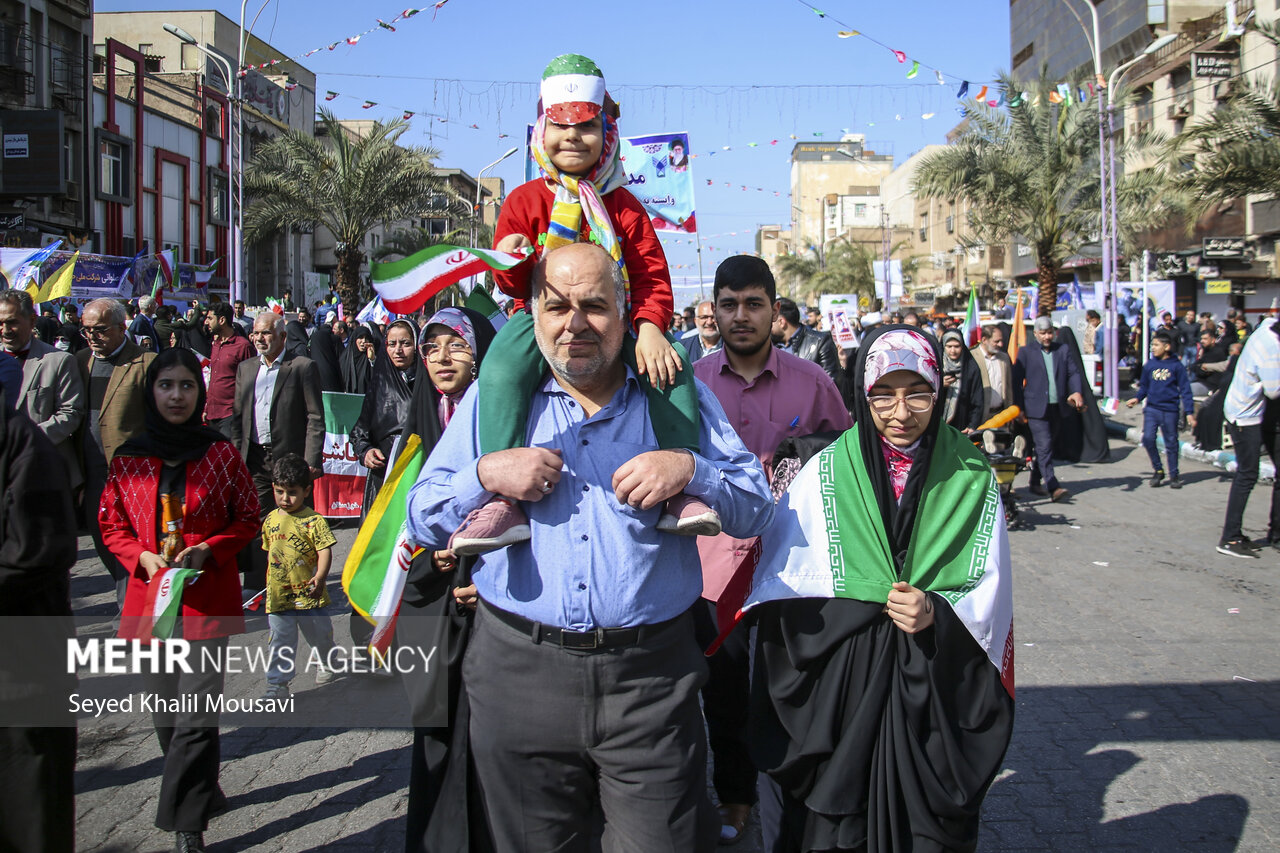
point(1148, 698)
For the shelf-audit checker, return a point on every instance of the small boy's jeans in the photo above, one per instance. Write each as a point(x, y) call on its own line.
point(1167, 423)
point(316, 627)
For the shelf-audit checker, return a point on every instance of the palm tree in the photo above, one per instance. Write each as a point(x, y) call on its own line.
point(847, 270)
point(1236, 148)
point(347, 183)
point(1029, 172)
point(797, 271)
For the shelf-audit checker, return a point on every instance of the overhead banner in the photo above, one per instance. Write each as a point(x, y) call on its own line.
point(339, 493)
point(659, 176)
point(112, 275)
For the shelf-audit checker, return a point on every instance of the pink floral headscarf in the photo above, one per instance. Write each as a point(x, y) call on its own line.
point(901, 350)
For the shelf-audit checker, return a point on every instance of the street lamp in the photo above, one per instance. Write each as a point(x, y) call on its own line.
point(1111, 134)
point(475, 211)
point(235, 219)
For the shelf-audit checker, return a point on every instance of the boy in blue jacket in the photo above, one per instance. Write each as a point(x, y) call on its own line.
point(1163, 385)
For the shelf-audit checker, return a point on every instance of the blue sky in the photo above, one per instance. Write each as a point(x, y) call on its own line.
point(729, 72)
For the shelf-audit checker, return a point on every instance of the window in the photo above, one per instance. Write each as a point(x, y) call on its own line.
point(859, 210)
point(924, 227)
point(1024, 54)
point(115, 168)
point(213, 120)
point(219, 198)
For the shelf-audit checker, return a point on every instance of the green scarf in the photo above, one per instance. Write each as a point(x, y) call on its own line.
point(952, 532)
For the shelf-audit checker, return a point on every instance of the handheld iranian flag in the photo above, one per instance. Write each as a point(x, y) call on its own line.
point(340, 492)
point(164, 601)
point(167, 265)
point(275, 305)
point(157, 289)
point(205, 273)
point(972, 331)
point(378, 565)
point(405, 286)
point(481, 302)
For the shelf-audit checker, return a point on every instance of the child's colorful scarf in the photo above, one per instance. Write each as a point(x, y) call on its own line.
point(575, 195)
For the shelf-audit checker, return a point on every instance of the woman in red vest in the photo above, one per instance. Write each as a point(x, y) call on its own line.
point(179, 494)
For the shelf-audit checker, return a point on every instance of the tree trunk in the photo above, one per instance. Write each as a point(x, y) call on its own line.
point(1047, 295)
point(348, 284)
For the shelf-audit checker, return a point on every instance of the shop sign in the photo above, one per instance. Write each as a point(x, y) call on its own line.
point(1223, 247)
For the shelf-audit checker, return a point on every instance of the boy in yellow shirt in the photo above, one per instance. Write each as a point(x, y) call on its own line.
point(299, 546)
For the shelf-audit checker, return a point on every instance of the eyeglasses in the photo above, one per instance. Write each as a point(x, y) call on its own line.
point(98, 331)
point(456, 349)
point(887, 404)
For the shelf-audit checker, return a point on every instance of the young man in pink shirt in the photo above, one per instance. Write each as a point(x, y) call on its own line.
point(768, 395)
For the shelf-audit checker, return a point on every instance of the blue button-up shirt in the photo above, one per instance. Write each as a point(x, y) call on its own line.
point(591, 562)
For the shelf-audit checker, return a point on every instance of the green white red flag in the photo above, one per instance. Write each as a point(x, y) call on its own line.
point(339, 493)
point(972, 331)
point(378, 565)
point(406, 285)
point(164, 601)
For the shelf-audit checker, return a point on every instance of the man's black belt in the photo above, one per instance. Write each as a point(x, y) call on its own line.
point(600, 638)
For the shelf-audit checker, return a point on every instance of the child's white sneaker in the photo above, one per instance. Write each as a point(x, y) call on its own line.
point(685, 515)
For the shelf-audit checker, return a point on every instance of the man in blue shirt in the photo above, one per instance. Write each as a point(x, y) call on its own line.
point(582, 671)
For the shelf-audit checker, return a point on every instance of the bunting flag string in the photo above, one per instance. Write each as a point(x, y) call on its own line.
point(351, 40)
point(847, 31)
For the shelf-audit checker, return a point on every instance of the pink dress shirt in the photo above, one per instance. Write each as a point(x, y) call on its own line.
point(790, 397)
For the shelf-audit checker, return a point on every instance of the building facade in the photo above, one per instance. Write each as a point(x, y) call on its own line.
point(45, 180)
point(167, 141)
point(1229, 257)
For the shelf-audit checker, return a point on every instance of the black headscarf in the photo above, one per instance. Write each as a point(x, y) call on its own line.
point(1081, 437)
point(355, 364)
point(971, 399)
point(176, 442)
point(296, 341)
point(403, 380)
point(899, 516)
point(326, 352)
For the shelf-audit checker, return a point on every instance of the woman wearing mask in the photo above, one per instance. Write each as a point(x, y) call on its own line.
point(179, 494)
point(436, 609)
point(882, 702)
point(357, 361)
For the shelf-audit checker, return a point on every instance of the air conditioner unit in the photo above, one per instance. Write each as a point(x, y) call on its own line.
point(1180, 108)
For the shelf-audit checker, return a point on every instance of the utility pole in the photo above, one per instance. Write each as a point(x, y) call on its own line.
point(884, 250)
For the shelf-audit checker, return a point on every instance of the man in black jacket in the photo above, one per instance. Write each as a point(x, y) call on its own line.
point(790, 335)
point(1210, 364)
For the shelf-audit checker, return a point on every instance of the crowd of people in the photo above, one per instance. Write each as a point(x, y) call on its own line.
point(601, 502)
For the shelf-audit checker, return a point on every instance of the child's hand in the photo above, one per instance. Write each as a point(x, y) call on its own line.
point(655, 358)
point(513, 243)
point(316, 585)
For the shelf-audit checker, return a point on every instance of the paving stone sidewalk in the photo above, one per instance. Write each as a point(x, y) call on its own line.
point(1148, 699)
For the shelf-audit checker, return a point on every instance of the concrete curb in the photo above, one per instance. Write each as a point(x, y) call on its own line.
point(1224, 459)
